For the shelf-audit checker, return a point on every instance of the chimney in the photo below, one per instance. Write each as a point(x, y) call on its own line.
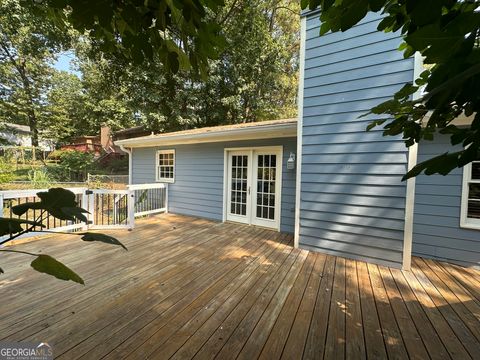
point(106, 137)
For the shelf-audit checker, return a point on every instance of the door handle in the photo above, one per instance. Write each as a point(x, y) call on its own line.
point(249, 190)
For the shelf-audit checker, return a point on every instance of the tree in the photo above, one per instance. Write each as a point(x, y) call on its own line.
point(254, 77)
point(446, 34)
point(64, 116)
point(28, 45)
point(179, 33)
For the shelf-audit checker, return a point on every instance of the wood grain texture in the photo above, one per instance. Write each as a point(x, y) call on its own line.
point(192, 288)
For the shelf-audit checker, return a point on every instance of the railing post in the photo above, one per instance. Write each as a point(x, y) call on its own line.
point(1, 205)
point(85, 205)
point(91, 207)
point(131, 209)
point(166, 198)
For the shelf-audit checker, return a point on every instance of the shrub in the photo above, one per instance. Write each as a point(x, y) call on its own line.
point(40, 179)
point(7, 172)
point(75, 164)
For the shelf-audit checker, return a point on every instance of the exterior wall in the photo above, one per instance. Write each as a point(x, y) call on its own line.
point(198, 187)
point(436, 230)
point(352, 199)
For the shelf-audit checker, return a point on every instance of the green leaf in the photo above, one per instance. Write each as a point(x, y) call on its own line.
point(48, 265)
point(12, 226)
point(75, 213)
point(426, 11)
point(58, 202)
point(89, 236)
point(23, 208)
point(376, 5)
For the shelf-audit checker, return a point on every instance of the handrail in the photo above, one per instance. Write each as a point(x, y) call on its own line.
point(107, 208)
point(147, 186)
point(13, 194)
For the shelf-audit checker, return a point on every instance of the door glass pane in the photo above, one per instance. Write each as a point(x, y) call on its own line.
point(238, 201)
point(476, 170)
point(266, 181)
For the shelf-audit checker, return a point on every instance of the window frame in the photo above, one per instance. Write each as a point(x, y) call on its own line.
point(465, 221)
point(157, 166)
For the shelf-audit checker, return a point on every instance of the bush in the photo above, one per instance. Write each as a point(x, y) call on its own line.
point(7, 172)
point(40, 179)
point(73, 165)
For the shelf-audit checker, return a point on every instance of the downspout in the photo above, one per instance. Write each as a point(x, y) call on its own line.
point(130, 162)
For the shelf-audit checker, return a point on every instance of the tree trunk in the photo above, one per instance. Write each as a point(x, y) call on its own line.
point(32, 122)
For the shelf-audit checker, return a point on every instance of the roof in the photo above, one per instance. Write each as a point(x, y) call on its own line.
point(130, 130)
point(245, 131)
point(17, 127)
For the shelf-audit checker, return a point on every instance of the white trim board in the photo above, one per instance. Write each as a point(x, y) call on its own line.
point(410, 188)
point(465, 221)
point(298, 178)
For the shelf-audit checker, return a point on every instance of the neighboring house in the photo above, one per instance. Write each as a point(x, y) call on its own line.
point(85, 143)
point(103, 145)
point(18, 135)
point(345, 195)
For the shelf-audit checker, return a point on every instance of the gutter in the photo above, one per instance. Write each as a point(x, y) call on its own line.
point(130, 162)
point(266, 131)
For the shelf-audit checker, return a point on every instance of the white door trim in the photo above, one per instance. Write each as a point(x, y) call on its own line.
point(245, 219)
point(278, 189)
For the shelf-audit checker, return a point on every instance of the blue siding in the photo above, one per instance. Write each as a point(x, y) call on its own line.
point(352, 197)
point(198, 187)
point(436, 231)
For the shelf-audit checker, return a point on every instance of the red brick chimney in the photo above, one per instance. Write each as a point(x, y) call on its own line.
point(106, 138)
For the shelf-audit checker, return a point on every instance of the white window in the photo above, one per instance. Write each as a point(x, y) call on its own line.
point(470, 213)
point(166, 166)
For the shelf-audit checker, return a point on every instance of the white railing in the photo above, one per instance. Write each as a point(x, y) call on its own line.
point(107, 208)
point(149, 198)
point(11, 198)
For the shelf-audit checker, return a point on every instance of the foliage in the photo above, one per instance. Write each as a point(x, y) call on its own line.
point(39, 178)
point(72, 160)
point(179, 33)
point(446, 34)
point(28, 45)
point(65, 116)
point(61, 204)
point(254, 78)
point(107, 100)
point(7, 171)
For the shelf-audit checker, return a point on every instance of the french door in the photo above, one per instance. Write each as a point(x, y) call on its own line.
point(254, 186)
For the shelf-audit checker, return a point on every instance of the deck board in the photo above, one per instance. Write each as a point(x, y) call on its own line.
point(193, 288)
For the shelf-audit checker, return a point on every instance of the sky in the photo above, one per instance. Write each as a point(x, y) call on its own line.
point(63, 63)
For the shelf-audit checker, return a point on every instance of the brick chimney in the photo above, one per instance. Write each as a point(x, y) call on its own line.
point(106, 138)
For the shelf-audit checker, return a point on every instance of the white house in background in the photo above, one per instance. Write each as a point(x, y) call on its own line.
point(16, 134)
point(322, 177)
point(20, 135)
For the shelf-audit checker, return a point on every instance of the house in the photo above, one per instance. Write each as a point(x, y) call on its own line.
point(323, 178)
point(86, 143)
point(15, 134)
point(103, 145)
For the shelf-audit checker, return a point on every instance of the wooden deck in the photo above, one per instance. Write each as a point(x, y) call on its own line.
point(191, 288)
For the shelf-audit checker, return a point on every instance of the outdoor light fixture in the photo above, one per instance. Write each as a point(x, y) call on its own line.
point(291, 161)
